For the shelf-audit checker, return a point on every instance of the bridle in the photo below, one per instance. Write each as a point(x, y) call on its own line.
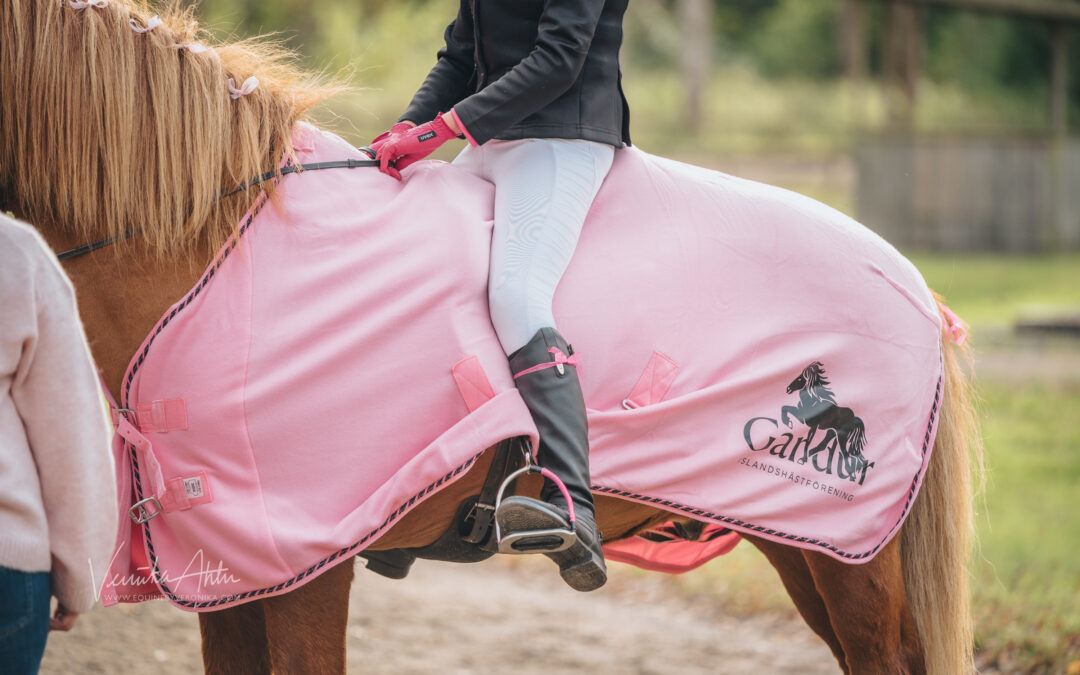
point(291, 168)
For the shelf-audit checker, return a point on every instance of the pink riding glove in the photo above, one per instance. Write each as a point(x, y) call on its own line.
point(381, 139)
point(412, 146)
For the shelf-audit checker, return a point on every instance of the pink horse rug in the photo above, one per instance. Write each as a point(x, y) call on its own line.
point(750, 358)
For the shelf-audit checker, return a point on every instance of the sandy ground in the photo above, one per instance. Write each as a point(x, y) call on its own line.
point(495, 617)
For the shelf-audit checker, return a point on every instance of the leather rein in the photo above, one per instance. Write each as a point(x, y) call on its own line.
point(291, 168)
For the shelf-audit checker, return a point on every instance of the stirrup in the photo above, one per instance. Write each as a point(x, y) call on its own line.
point(548, 540)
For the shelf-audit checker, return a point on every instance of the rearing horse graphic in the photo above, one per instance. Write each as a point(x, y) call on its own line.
point(817, 409)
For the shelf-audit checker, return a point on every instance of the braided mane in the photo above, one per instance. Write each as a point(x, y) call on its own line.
point(106, 128)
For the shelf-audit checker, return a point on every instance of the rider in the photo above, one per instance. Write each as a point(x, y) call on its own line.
point(535, 87)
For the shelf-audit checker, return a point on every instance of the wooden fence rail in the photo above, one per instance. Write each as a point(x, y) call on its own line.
point(971, 194)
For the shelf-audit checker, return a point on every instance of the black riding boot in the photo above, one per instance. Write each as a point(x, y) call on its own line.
point(553, 396)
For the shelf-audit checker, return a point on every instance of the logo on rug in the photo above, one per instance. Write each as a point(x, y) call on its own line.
point(834, 441)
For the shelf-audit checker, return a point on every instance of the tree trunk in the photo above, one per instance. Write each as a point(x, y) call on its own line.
point(696, 20)
point(1059, 78)
point(901, 62)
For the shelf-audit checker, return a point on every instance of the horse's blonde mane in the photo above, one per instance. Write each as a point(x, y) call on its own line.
point(106, 129)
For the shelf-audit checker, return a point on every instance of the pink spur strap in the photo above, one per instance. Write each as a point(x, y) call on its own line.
point(550, 475)
point(559, 359)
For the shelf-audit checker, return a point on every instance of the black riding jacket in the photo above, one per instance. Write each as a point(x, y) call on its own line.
point(531, 69)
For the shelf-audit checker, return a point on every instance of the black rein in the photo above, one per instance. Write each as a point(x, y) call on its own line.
point(292, 168)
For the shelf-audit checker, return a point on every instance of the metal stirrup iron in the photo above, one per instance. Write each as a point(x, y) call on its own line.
point(535, 541)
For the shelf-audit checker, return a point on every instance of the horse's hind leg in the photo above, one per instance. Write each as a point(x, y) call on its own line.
point(868, 612)
point(799, 583)
point(306, 627)
point(234, 641)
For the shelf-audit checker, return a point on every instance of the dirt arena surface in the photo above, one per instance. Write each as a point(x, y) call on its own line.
point(495, 617)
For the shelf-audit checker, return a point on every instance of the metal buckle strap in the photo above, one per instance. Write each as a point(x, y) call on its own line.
point(483, 512)
point(139, 512)
point(150, 469)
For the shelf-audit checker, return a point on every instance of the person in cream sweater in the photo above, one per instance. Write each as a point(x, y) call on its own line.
point(57, 486)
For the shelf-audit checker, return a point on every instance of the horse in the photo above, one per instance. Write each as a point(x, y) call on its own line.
point(817, 408)
point(118, 125)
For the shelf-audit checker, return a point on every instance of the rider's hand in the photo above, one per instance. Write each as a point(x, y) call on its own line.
point(399, 128)
point(413, 145)
point(63, 619)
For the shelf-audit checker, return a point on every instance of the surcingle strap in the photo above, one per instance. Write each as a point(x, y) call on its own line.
point(160, 495)
point(161, 416)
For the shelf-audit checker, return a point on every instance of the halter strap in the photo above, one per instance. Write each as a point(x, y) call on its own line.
point(292, 168)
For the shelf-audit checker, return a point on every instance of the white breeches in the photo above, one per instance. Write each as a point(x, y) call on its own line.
point(543, 190)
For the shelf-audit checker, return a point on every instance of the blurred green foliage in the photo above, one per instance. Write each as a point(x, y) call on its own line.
point(977, 55)
point(798, 38)
point(996, 291)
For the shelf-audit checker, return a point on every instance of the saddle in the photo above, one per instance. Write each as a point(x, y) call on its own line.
point(336, 365)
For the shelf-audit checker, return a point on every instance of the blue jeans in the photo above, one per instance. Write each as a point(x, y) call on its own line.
point(24, 620)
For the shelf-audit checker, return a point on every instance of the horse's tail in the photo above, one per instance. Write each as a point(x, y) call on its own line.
point(937, 537)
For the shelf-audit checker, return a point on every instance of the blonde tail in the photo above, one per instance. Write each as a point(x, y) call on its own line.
point(936, 540)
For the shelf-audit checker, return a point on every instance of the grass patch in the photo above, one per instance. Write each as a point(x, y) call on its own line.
point(996, 290)
point(1026, 579)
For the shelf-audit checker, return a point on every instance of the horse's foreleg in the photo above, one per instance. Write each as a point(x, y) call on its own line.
point(868, 611)
point(799, 583)
point(306, 627)
point(234, 640)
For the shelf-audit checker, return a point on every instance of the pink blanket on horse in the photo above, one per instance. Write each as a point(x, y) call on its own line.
point(750, 358)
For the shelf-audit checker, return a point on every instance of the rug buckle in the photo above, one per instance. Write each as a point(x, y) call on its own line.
point(139, 512)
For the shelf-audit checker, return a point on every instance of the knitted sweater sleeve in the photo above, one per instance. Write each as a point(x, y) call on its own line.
point(57, 395)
